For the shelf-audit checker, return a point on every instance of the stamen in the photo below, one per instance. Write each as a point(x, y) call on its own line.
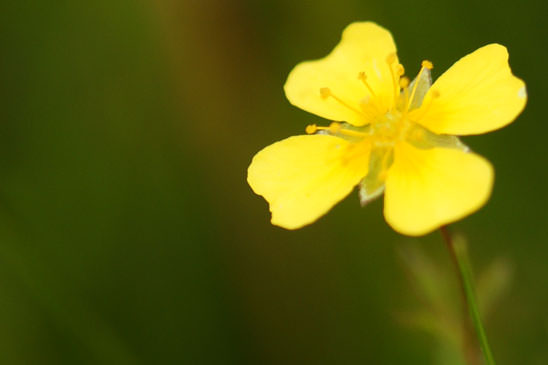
point(390, 60)
point(370, 110)
point(311, 129)
point(363, 78)
point(351, 133)
point(336, 129)
point(424, 65)
point(404, 82)
point(325, 92)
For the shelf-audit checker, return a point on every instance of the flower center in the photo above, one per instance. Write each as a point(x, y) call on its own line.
point(384, 127)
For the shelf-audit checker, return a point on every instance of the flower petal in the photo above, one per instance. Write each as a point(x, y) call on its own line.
point(427, 188)
point(302, 177)
point(364, 47)
point(476, 95)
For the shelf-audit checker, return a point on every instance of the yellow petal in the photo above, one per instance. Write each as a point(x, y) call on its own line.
point(427, 188)
point(302, 177)
point(364, 48)
point(476, 95)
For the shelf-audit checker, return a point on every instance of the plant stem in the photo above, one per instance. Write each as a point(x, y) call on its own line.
point(459, 254)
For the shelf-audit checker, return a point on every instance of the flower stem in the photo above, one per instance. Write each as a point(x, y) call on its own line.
point(459, 254)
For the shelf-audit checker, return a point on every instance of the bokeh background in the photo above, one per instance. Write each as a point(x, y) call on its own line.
point(128, 234)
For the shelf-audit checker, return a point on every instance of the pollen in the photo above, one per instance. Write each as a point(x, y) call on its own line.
point(363, 78)
point(325, 92)
point(427, 64)
point(311, 129)
point(335, 127)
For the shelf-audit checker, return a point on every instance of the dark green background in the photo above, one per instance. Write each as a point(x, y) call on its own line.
point(128, 233)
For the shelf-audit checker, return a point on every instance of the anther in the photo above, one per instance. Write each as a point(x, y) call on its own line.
point(404, 82)
point(311, 129)
point(335, 127)
point(325, 92)
point(427, 64)
point(401, 70)
point(391, 58)
point(363, 78)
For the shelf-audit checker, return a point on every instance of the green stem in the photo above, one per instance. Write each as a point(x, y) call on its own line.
point(459, 253)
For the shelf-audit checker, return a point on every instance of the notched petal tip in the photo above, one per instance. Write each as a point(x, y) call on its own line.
point(426, 189)
point(478, 94)
point(363, 48)
point(302, 177)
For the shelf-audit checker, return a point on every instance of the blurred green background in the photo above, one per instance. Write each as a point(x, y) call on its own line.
point(128, 233)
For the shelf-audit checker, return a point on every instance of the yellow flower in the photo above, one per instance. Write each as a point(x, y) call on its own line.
point(390, 135)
